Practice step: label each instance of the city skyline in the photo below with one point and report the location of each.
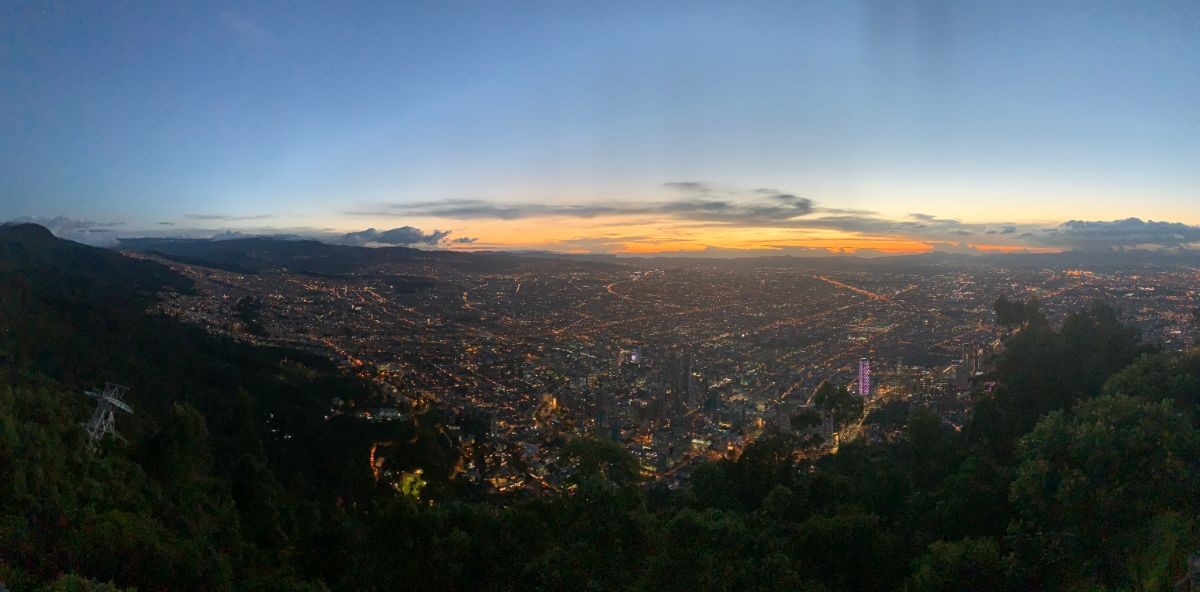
(669, 296)
(712, 129)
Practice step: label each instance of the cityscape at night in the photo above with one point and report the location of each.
(678, 365)
(611, 296)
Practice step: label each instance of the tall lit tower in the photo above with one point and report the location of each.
(864, 377)
(103, 420)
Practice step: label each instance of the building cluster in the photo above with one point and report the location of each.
(677, 365)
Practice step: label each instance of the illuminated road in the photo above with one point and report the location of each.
(855, 289)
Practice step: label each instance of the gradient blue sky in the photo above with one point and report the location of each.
(339, 116)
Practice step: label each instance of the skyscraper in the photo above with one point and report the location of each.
(864, 377)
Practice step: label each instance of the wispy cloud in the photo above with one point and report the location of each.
(684, 218)
(609, 243)
(89, 232)
(695, 201)
(246, 29)
(225, 218)
(702, 205)
(699, 205)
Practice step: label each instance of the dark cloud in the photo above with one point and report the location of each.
(694, 187)
(697, 201)
(720, 210)
(704, 205)
(708, 193)
(474, 209)
(1120, 234)
(874, 225)
(464, 240)
(402, 236)
(696, 204)
(846, 211)
(166, 223)
(788, 198)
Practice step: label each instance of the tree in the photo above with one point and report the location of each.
(848, 551)
(1013, 314)
(840, 403)
(934, 447)
(1042, 370)
(711, 487)
(971, 502)
(974, 564)
(804, 424)
(74, 583)
(1008, 313)
(765, 463)
(1155, 563)
(1091, 481)
(1165, 375)
(805, 420)
(601, 460)
(718, 551)
(178, 452)
(893, 415)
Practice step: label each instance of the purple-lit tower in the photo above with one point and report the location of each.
(864, 377)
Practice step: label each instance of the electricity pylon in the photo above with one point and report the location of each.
(103, 420)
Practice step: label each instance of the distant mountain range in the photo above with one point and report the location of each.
(261, 254)
(277, 254)
(1065, 259)
(35, 258)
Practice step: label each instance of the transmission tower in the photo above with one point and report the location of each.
(103, 420)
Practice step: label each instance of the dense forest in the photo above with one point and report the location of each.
(1079, 470)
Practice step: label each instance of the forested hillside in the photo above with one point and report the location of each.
(1080, 470)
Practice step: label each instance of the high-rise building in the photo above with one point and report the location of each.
(864, 377)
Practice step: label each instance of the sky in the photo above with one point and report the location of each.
(712, 127)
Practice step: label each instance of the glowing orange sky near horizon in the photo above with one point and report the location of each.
(631, 235)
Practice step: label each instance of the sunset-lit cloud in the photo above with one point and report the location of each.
(647, 229)
(693, 216)
(678, 218)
